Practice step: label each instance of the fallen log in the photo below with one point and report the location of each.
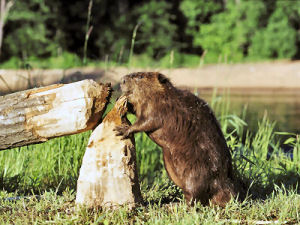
(37, 115)
(108, 175)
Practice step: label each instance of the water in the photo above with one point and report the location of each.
(282, 106)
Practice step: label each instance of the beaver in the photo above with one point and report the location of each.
(195, 152)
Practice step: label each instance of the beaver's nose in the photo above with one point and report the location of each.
(123, 80)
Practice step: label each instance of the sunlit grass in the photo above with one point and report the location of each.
(282, 206)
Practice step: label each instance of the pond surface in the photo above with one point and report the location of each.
(282, 106)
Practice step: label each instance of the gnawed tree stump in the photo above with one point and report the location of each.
(36, 115)
(108, 175)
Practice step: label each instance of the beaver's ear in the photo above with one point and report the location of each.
(162, 78)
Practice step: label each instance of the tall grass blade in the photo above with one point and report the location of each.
(88, 31)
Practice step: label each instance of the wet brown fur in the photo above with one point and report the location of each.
(195, 153)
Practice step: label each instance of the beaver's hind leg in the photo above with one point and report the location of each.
(222, 193)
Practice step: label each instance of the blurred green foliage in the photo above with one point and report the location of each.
(222, 30)
(278, 39)
(156, 33)
(27, 33)
(228, 34)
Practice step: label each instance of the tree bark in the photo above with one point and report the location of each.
(36, 115)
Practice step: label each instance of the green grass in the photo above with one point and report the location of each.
(50, 170)
(281, 206)
(67, 60)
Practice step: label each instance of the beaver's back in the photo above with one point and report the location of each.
(190, 127)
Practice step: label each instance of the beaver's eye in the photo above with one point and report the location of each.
(140, 76)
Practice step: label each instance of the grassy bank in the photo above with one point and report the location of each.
(68, 60)
(50, 170)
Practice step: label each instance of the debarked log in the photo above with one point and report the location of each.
(108, 175)
(39, 114)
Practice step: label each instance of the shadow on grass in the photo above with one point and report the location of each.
(37, 186)
(96, 75)
(256, 190)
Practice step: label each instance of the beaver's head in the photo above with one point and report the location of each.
(143, 85)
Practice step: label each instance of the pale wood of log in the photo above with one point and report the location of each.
(108, 174)
(36, 115)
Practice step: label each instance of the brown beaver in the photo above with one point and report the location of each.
(195, 152)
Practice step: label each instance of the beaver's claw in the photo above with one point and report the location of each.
(122, 130)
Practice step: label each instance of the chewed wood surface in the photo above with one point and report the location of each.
(36, 115)
(108, 175)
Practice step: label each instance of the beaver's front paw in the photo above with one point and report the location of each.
(122, 130)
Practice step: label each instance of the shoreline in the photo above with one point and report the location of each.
(256, 78)
(274, 91)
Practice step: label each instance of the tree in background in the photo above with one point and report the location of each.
(156, 33)
(112, 21)
(244, 29)
(4, 9)
(198, 13)
(47, 28)
(27, 34)
(228, 33)
(278, 39)
(227, 30)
